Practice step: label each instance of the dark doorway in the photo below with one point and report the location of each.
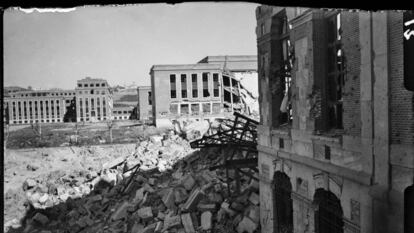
(283, 203)
(409, 210)
(328, 216)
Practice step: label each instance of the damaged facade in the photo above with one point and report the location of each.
(144, 107)
(212, 88)
(330, 157)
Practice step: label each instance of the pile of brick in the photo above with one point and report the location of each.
(173, 191)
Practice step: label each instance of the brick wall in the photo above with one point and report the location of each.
(401, 99)
(351, 91)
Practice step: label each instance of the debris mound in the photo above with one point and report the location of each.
(163, 186)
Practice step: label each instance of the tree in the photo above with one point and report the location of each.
(37, 129)
(110, 125)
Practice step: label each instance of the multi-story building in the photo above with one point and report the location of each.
(37, 106)
(93, 100)
(336, 134)
(205, 90)
(144, 107)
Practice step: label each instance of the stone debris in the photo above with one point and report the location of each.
(171, 192)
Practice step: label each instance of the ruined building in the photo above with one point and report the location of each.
(144, 106)
(336, 132)
(212, 88)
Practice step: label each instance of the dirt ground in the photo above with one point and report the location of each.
(63, 134)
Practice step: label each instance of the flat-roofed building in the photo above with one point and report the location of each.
(93, 100)
(209, 89)
(37, 106)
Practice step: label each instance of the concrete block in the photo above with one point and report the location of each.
(254, 198)
(172, 221)
(193, 200)
(187, 223)
(139, 195)
(180, 195)
(145, 213)
(121, 212)
(188, 182)
(246, 225)
(206, 221)
(169, 199)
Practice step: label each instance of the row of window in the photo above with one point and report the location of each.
(92, 92)
(92, 112)
(194, 85)
(124, 112)
(37, 121)
(45, 94)
(35, 102)
(121, 118)
(87, 118)
(195, 108)
(92, 85)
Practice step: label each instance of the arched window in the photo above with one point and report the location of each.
(283, 203)
(328, 215)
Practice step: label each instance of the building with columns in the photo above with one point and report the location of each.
(93, 100)
(209, 89)
(37, 106)
(338, 157)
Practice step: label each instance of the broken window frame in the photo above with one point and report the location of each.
(335, 72)
(283, 76)
(216, 89)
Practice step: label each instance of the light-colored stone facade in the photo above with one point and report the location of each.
(93, 100)
(37, 106)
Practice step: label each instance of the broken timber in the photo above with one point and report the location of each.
(238, 142)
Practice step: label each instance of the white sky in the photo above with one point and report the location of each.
(120, 43)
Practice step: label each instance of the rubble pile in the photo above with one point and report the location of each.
(164, 186)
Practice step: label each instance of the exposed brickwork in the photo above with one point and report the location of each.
(401, 99)
(351, 91)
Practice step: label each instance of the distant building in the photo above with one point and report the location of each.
(144, 107)
(125, 103)
(41, 106)
(93, 100)
(209, 89)
(122, 112)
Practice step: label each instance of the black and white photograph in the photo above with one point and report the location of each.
(207, 117)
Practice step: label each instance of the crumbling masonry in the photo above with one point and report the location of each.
(336, 135)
